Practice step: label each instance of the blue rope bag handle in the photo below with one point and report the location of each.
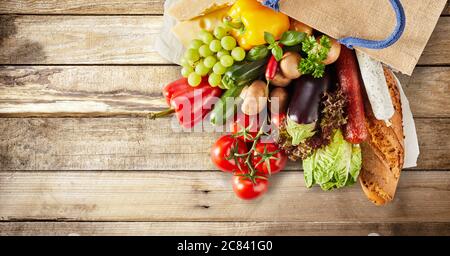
(351, 42)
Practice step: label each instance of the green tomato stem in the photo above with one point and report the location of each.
(229, 22)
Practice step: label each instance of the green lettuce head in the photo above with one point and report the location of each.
(334, 166)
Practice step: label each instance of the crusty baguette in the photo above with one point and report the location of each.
(383, 152)
(189, 9)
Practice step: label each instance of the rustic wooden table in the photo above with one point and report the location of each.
(69, 167)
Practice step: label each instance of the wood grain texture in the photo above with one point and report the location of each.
(93, 91)
(428, 90)
(118, 40)
(143, 144)
(447, 9)
(206, 196)
(82, 6)
(91, 7)
(437, 51)
(79, 39)
(222, 228)
(83, 90)
(183, 201)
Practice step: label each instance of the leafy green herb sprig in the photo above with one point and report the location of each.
(274, 46)
(316, 53)
(289, 38)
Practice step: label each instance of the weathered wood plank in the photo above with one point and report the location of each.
(83, 90)
(143, 144)
(437, 51)
(79, 39)
(32, 91)
(428, 89)
(118, 40)
(447, 9)
(222, 228)
(91, 7)
(207, 196)
(82, 7)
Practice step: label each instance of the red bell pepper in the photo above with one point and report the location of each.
(190, 104)
(176, 87)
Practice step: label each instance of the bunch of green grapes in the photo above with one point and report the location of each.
(210, 55)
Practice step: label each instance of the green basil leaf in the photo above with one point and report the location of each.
(291, 38)
(277, 52)
(258, 53)
(270, 39)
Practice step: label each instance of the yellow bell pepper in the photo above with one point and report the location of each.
(250, 19)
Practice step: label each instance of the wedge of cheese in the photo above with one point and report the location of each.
(189, 9)
(185, 31)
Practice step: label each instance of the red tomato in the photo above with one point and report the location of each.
(245, 189)
(250, 123)
(274, 161)
(277, 119)
(222, 149)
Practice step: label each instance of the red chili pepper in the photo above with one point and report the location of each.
(271, 69)
(190, 104)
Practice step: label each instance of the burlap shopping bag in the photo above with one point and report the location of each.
(367, 19)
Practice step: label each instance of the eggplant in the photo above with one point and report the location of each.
(304, 107)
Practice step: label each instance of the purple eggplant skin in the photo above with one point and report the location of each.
(304, 107)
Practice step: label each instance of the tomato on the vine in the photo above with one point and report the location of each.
(244, 124)
(268, 158)
(245, 189)
(222, 154)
